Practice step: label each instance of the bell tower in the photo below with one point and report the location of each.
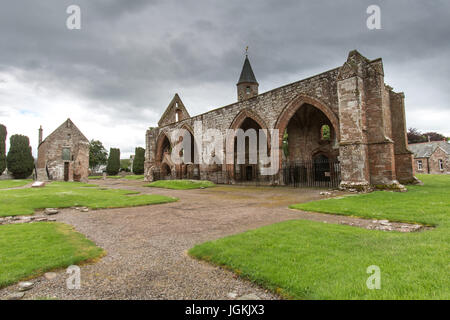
(247, 86)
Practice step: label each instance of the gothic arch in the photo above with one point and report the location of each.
(187, 127)
(246, 113)
(295, 104)
(236, 124)
(159, 145)
(240, 118)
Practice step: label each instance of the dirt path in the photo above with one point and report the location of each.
(28, 185)
(146, 246)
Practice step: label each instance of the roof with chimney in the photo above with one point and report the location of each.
(68, 124)
(426, 149)
(247, 74)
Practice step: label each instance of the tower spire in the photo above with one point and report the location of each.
(247, 86)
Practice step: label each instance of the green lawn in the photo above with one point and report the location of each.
(313, 260)
(68, 194)
(128, 177)
(5, 184)
(101, 177)
(135, 177)
(181, 184)
(27, 250)
(95, 177)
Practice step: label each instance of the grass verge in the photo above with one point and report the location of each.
(135, 177)
(5, 184)
(312, 260)
(68, 194)
(28, 250)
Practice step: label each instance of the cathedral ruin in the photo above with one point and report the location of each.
(344, 124)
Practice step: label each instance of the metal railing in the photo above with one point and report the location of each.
(321, 174)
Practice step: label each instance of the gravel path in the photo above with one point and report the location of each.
(146, 246)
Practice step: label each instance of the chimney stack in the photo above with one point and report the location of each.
(40, 135)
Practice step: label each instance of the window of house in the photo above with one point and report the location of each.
(419, 165)
(66, 154)
(247, 90)
(441, 164)
(176, 116)
(325, 132)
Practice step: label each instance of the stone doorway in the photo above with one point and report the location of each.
(247, 171)
(321, 168)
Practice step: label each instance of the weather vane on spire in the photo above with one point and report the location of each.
(246, 50)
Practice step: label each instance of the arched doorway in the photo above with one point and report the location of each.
(189, 169)
(308, 143)
(305, 134)
(249, 170)
(321, 168)
(165, 171)
(163, 148)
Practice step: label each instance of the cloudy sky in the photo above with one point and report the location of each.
(116, 75)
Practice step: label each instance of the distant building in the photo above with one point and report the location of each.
(431, 157)
(63, 155)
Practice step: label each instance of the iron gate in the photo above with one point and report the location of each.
(311, 174)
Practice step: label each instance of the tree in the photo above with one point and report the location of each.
(325, 132)
(3, 133)
(125, 165)
(139, 158)
(20, 161)
(113, 166)
(415, 136)
(434, 136)
(97, 154)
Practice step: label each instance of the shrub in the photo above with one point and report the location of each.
(20, 161)
(2, 148)
(139, 158)
(113, 166)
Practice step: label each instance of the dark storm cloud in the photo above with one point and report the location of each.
(135, 55)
